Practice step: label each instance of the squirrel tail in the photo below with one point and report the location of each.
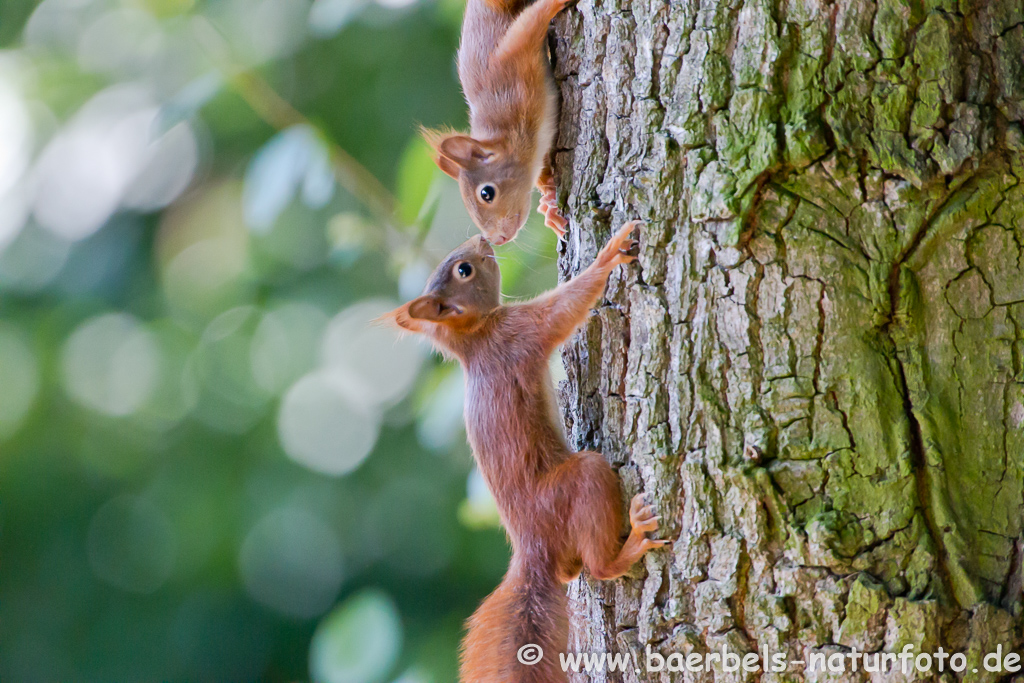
(527, 609)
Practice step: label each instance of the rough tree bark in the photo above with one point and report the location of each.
(817, 368)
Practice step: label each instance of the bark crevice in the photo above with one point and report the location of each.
(823, 390)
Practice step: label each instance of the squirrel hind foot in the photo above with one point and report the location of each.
(641, 515)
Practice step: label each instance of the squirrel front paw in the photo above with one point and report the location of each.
(618, 247)
(548, 207)
(553, 218)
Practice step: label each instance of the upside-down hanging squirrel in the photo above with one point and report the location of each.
(561, 509)
(513, 107)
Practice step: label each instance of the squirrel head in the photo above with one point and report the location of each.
(496, 187)
(460, 292)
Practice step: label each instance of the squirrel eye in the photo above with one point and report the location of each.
(464, 270)
(487, 193)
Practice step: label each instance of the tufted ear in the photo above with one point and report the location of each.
(454, 151)
(431, 308)
(427, 308)
(464, 150)
(448, 166)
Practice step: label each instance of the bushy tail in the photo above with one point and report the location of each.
(528, 608)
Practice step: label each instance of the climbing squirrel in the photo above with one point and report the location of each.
(561, 509)
(506, 78)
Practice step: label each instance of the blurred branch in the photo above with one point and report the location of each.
(280, 114)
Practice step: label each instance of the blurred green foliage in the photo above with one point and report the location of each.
(211, 466)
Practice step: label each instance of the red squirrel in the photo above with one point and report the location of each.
(507, 81)
(561, 509)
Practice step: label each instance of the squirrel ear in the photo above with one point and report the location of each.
(448, 166)
(429, 308)
(400, 317)
(463, 150)
(411, 316)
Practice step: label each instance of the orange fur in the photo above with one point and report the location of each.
(507, 81)
(561, 509)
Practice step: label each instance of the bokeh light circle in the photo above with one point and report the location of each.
(16, 139)
(371, 360)
(19, 377)
(291, 562)
(358, 642)
(285, 343)
(111, 364)
(106, 156)
(323, 428)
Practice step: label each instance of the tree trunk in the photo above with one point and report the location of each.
(817, 367)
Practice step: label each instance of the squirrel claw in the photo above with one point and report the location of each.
(558, 224)
(618, 247)
(548, 206)
(553, 217)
